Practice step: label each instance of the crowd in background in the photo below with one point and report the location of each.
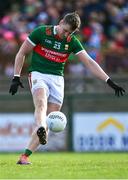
(103, 33)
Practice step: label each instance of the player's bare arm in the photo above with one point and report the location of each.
(98, 71)
(92, 65)
(25, 49)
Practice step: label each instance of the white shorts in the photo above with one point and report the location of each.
(53, 84)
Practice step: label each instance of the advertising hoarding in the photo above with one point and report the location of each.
(16, 130)
(100, 131)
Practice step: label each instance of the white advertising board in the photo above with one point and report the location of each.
(16, 129)
(100, 131)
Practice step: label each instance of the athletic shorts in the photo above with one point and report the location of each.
(53, 84)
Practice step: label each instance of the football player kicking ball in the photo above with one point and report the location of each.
(50, 47)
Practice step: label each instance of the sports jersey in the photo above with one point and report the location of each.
(50, 53)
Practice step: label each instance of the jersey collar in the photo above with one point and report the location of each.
(55, 33)
(68, 39)
(54, 30)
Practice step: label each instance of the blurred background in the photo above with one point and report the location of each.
(97, 120)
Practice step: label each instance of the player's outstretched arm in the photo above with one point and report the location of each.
(19, 61)
(98, 71)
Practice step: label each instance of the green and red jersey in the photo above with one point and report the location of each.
(50, 53)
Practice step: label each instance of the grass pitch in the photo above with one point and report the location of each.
(66, 166)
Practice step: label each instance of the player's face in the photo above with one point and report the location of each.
(64, 30)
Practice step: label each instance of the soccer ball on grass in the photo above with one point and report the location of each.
(56, 121)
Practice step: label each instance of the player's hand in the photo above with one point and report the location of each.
(119, 91)
(15, 84)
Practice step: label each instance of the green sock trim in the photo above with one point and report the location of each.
(28, 152)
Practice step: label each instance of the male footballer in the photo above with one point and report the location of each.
(50, 47)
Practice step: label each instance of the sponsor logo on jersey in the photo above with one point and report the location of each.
(51, 55)
(48, 41)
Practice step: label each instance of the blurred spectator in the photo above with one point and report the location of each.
(9, 70)
(104, 29)
(4, 6)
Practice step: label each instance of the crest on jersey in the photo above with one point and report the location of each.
(66, 46)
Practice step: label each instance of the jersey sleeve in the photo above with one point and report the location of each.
(76, 46)
(35, 36)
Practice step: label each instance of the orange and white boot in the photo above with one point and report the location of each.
(23, 160)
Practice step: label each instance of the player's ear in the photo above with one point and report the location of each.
(61, 21)
(77, 30)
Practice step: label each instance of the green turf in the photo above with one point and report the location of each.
(66, 166)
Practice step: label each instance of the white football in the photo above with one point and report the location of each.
(56, 121)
